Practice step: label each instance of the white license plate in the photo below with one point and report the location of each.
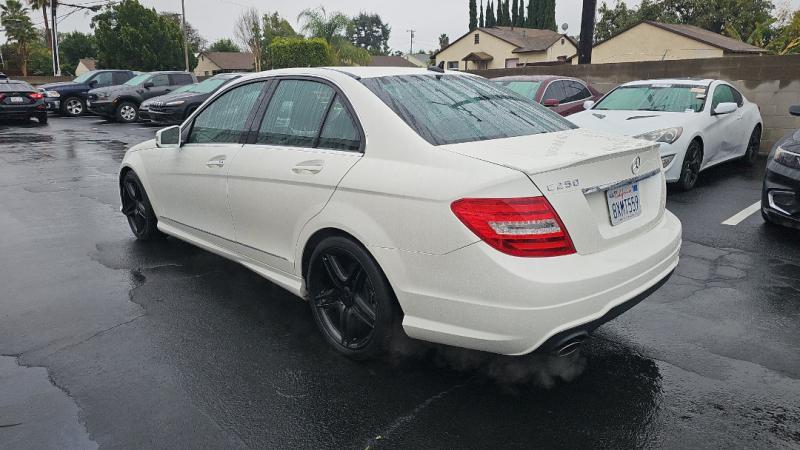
(17, 99)
(623, 203)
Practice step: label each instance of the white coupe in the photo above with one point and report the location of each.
(697, 123)
(411, 200)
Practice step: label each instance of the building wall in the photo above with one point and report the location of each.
(771, 82)
(645, 42)
(500, 51)
(81, 69)
(205, 67)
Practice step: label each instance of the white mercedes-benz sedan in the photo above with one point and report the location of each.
(409, 200)
(696, 123)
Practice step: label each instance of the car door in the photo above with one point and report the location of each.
(192, 179)
(300, 148)
(554, 91)
(161, 86)
(102, 79)
(725, 131)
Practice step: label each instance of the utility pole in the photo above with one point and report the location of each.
(185, 40)
(54, 30)
(587, 32)
(411, 48)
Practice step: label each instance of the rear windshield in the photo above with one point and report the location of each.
(15, 87)
(448, 109)
(526, 89)
(655, 97)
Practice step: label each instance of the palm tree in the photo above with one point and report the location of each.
(331, 27)
(19, 28)
(43, 5)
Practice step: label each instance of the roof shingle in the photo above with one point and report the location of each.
(708, 37)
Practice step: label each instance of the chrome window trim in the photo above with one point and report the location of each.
(605, 187)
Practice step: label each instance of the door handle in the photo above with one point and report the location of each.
(216, 162)
(312, 167)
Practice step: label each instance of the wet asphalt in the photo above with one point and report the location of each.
(110, 342)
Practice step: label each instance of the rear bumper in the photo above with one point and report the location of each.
(22, 112)
(479, 298)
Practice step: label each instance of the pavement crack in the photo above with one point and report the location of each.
(407, 418)
(99, 333)
(9, 425)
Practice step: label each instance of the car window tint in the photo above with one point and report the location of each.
(160, 80)
(104, 79)
(339, 131)
(575, 91)
(527, 89)
(554, 91)
(224, 120)
(295, 112)
(179, 79)
(722, 94)
(121, 77)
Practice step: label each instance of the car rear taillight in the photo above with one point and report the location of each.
(36, 95)
(2, 97)
(527, 226)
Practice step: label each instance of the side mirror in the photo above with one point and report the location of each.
(550, 102)
(169, 137)
(725, 108)
(148, 84)
(794, 110)
(588, 104)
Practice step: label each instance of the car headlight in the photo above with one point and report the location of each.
(787, 158)
(666, 160)
(666, 135)
(52, 94)
(175, 103)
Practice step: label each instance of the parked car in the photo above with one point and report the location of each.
(176, 106)
(697, 123)
(69, 98)
(468, 217)
(121, 103)
(780, 196)
(19, 100)
(563, 95)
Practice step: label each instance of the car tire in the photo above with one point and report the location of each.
(753, 145)
(127, 112)
(137, 209)
(73, 107)
(690, 168)
(42, 119)
(351, 300)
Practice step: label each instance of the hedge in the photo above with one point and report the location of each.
(299, 52)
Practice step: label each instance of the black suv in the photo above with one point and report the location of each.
(176, 106)
(122, 102)
(69, 98)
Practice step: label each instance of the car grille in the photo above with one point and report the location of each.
(155, 106)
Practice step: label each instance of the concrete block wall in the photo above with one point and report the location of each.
(772, 82)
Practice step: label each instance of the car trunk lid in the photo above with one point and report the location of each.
(575, 170)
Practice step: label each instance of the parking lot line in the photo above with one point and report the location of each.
(737, 218)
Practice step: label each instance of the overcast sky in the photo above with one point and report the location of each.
(214, 18)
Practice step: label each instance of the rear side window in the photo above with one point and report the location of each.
(121, 77)
(448, 109)
(339, 131)
(179, 79)
(224, 120)
(295, 113)
(575, 91)
(555, 91)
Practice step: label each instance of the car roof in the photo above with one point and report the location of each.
(353, 72)
(689, 81)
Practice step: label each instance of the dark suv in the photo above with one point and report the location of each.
(69, 98)
(122, 102)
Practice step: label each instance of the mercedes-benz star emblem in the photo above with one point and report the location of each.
(636, 165)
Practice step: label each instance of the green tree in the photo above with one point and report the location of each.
(444, 41)
(481, 22)
(134, 37)
(72, 47)
(521, 13)
(248, 32)
(536, 12)
(368, 31)
(19, 30)
(276, 26)
(549, 16)
(223, 45)
(331, 27)
(300, 52)
(473, 15)
(515, 13)
(197, 43)
(490, 22)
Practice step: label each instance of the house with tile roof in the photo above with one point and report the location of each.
(656, 41)
(505, 47)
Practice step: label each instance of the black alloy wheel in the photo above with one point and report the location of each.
(137, 209)
(350, 299)
(690, 171)
(753, 145)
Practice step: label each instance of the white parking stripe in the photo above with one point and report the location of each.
(737, 218)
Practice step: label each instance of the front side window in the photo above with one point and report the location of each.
(654, 97)
(104, 79)
(448, 109)
(339, 131)
(295, 113)
(225, 119)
